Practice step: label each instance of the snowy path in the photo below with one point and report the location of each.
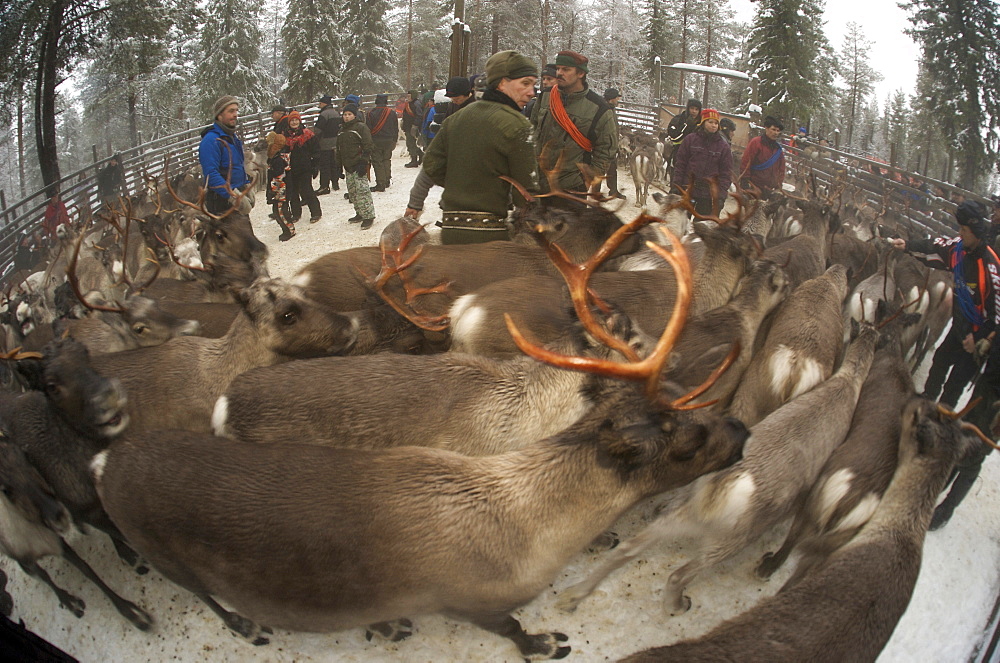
(954, 597)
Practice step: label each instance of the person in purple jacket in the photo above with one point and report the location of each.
(704, 160)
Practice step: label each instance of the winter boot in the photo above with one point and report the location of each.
(367, 223)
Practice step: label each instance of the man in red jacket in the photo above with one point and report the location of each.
(763, 162)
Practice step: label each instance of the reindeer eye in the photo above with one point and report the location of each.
(219, 235)
(289, 318)
(140, 329)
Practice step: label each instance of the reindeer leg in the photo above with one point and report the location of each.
(66, 600)
(130, 611)
(709, 555)
(6, 600)
(236, 623)
(571, 597)
(394, 631)
(536, 647)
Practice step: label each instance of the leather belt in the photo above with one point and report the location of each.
(473, 221)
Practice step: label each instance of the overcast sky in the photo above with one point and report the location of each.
(882, 21)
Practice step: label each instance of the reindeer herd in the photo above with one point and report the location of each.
(412, 428)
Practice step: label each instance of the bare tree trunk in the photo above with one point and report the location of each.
(409, 42)
(708, 63)
(45, 95)
(22, 180)
(133, 126)
(546, 9)
(495, 28)
(684, 50)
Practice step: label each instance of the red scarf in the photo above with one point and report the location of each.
(562, 117)
(381, 122)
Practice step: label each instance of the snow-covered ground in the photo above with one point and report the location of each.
(954, 597)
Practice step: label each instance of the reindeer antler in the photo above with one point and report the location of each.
(393, 264)
(646, 370)
(75, 283)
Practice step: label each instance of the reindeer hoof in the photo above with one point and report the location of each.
(604, 541)
(394, 631)
(248, 629)
(545, 646)
(681, 606)
(570, 598)
(767, 566)
(141, 619)
(73, 604)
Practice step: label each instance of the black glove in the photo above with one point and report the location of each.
(362, 168)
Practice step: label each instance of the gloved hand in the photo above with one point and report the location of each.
(362, 168)
(243, 203)
(983, 346)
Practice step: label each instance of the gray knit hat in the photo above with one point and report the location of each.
(508, 64)
(221, 104)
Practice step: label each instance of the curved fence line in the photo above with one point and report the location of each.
(78, 190)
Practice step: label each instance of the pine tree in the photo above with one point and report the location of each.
(859, 77)
(961, 54)
(312, 40)
(792, 58)
(369, 52)
(230, 57)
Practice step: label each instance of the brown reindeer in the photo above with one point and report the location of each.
(846, 608)
(800, 350)
(282, 534)
(732, 508)
(176, 384)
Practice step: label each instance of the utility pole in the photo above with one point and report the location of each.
(459, 42)
(409, 43)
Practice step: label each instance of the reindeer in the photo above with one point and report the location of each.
(855, 477)
(177, 383)
(333, 280)
(644, 165)
(472, 405)
(801, 348)
(730, 509)
(863, 588)
(54, 430)
(334, 515)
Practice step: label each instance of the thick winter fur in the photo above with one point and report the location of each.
(55, 433)
(334, 280)
(175, 385)
(473, 405)
(709, 337)
(317, 539)
(846, 608)
(802, 346)
(644, 165)
(730, 509)
(646, 296)
(851, 484)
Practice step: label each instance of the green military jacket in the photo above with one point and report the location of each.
(354, 143)
(473, 148)
(583, 108)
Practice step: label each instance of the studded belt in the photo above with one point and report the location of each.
(473, 221)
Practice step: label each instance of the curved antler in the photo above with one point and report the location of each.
(75, 283)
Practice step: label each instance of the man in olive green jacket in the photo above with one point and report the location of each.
(478, 144)
(578, 124)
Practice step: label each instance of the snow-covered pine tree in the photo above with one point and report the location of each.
(230, 57)
(858, 76)
(792, 58)
(312, 38)
(961, 53)
(368, 50)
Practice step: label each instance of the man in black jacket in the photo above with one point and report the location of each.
(682, 125)
(413, 112)
(976, 302)
(327, 125)
(384, 125)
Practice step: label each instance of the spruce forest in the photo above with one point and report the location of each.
(114, 73)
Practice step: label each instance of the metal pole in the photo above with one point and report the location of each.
(659, 76)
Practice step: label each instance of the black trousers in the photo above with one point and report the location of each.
(327, 162)
(950, 355)
(216, 204)
(299, 191)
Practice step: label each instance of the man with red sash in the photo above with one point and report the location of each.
(763, 162)
(384, 125)
(975, 307)
(572, 120)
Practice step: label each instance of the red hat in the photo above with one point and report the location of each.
(710, 114)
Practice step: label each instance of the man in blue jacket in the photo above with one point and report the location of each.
(221, 157)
